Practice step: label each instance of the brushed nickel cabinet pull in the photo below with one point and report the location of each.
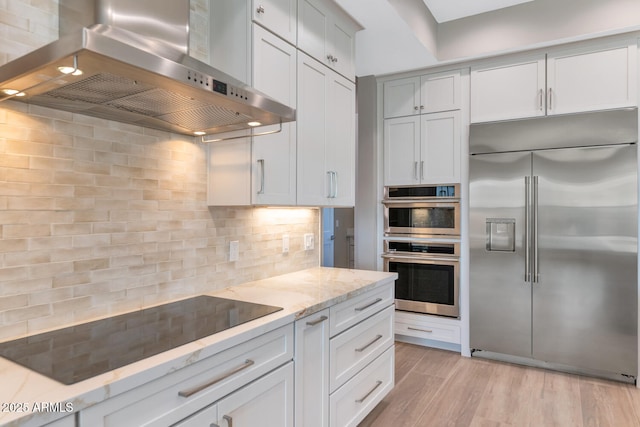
(261, 164)
(363, 398)
(368, 305)
(260, 9)
(541, 99)
(361, 349)
(228, 419)
(193, 390)
(419, 330)
(317, 321)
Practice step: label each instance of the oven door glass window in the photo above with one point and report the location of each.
(432, 283)
(423, 217)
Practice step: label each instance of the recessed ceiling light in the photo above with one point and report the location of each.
(253, 124)
(199, 133)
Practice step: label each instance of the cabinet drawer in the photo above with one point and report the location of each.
(431, 330)
(354, 310)
(164, 401)
(354, 400)
(355, 348)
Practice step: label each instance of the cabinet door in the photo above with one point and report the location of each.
(312, 370)
(274, 156)
(313, 27)
(440, 148)
(440, 92)
(342, 42)
(591, 80)
(341, 140)
(274, 166)
(508, 91)
(229, 172)
(401, 150)
(401, 97)
(279, 16)
(313, 180)
(265, 402)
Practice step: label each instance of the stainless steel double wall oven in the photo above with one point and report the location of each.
(422, 232)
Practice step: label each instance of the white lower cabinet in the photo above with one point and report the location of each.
(182, 393)
(351, 403)
(312, 370)
(267, 401)
(427, 327)
(344, 360)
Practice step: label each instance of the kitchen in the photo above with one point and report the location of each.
(105, 217)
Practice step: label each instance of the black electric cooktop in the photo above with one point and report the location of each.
(79, 352)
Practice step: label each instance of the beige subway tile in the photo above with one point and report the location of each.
(13, 245)
(51, 270)
(75, 203)
(13, 302)
(75, 129)
(91, 264)
(91, 216)
(70, 280)
(91, 240)
(51, 190)
(24, 314)
(16, 231)
(28, 175)
(30, 257)
(13, 331)
(50, 295)
(71, 229)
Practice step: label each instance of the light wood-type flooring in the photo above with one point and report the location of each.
(441, 388)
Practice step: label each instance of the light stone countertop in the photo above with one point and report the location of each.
(300, 294)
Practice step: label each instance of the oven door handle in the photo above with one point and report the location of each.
(431, 201)
(419, 258)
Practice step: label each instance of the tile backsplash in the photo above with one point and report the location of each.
(99, 217)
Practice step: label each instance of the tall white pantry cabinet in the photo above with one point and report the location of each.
(422, 129)
(311, 162)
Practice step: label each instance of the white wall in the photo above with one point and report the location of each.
(535, 24)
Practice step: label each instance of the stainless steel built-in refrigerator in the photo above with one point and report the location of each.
(553, 242)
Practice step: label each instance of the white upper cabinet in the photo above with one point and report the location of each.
(274, 156)
(422, 149)
(327, 33)
(422, 94)
(563, 81)
(279, 16)
(591, 80)
(326, 136)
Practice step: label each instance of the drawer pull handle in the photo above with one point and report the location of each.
(228, 419)
(363, 398)
(319, 320)
(419, 330)
(191, 391)
(368, 305)
(361, 349)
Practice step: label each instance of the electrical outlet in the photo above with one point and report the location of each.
(309, 241)
(285, 243)
(234, 250)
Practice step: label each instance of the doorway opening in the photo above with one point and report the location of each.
(338, 244)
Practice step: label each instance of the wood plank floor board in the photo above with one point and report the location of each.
(441, 388)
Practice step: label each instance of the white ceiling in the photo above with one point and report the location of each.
(405, 35)
(449, 10)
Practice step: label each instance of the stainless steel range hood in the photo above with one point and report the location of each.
(128, 61)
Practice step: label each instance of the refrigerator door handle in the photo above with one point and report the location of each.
(534, 232)
(527, 230)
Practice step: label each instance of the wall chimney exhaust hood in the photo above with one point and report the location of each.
(128, 61)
